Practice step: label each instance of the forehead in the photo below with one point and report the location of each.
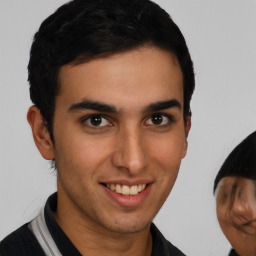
(140, 76)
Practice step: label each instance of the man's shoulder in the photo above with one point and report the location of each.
(173, 250)
(20, 242)
(161, 246)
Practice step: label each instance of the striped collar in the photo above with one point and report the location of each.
(52, 239)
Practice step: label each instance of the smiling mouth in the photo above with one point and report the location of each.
(126, 190)
(248, 228)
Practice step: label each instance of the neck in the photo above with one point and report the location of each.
(93, 239)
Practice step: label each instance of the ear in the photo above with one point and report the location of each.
(40, 132)
(187, 127)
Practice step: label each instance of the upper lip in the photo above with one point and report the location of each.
(239, 220)
(242, 220)
(127, 182)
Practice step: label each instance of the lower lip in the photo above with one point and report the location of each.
(128, 201)
(248, 230)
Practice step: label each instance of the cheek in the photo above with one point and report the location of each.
(167, 156)
(220, 210)
(228, 230)
(223, 219)
(80, 153)
(169, 152)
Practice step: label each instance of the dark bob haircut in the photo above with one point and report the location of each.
(241, 162)
(82, 30)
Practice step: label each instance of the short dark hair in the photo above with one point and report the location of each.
(82, 30)
(241, 162)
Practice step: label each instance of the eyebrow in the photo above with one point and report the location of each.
(93, 105)
(102, 107)
(161, 105)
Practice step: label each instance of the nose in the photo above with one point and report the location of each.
(243, 208)
(131, 152)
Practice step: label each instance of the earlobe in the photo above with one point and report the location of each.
(40, 133)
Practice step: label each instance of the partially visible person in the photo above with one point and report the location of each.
(235, 190)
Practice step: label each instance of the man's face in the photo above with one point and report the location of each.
(119, 138)
(236, 211)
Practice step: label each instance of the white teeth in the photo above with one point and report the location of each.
(126, 190)
(113, 187)
(118, 189)
(134, 190)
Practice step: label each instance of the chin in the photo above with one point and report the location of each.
(128, 226)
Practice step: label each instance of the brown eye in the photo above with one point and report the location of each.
(97, 121)
(158, 119)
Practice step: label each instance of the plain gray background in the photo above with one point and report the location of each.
(221, 36)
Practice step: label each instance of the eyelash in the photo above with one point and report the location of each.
(148, 119)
